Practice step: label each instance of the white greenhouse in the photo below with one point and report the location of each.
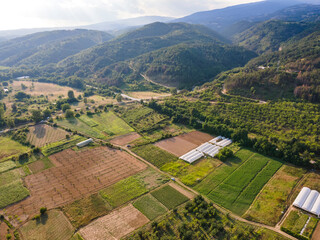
(84, 143)
(308, 200)
(192, 156)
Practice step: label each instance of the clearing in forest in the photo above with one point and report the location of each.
(76, 174)
(115, 225)
(42, 134)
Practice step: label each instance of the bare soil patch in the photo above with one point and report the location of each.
(37, 166)
(176, 146)
(125, 139)
(196, 137)
(77, 174)
(316, 233)
(184, 143)
(42, 134)
(115, 225)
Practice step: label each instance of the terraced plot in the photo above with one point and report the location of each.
(235, 187)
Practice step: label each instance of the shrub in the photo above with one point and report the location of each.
(43, 210)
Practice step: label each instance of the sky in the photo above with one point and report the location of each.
(16, 14)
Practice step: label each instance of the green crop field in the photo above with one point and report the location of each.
(234, 186)
(150, 207)
(296, 220)
(154, 155)
(61, 145)
(310, 227)
(100, 125)
(7, 165)
(54, 225)
(169, 197)
(191, 174)
(8, 148)
(11, 188)
(82, 211)
(123, 191)
(271, 202)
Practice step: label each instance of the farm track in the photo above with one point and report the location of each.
(221, 209)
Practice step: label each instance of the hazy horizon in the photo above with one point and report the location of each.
(71, 13)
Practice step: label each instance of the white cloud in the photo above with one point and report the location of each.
(57, 13)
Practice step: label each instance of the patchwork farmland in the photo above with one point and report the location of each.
(42, 134)
(236, 184)
(76, 174)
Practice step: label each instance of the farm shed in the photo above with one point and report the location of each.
(192, 156)
(84, 143)
(308, 200)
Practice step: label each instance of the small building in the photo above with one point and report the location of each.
(85, 143)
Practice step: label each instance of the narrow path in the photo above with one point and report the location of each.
(149, 80)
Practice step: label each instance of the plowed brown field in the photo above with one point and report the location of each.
(76, 174)
(43, 134)
(115, 225)
(184, 143)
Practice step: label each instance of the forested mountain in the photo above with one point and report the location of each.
(48, 47)
(176, 54)
(268, 36)
(290, 73)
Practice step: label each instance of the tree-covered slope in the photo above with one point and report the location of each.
(290, 73)
(268, 36)
(48, 47)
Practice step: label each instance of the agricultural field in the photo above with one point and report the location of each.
(123, 191)
(100, 125)
(40, 165)
(142, 119)
(53, 225)
(11, 188)
(150, 207)
(169, 197)
(236, 186)
(200, 220)
(76, 174)
(8, 148)
(147, 95)
(295, 222)
(115, 225)
(154, 155)
(273, 199)
(42, 134)
(61, 145)
(82, 211)
(125, 139)
(184, 143)
(191, 174)
(7, 165)
(53, 91)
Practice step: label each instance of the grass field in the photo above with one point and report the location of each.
(295, 222)
(100, 125)
(11, 188)
(150, 207)
(8, 148)
(82, 211)
(191, 174)
(147, 95)
(169, 197)
(53, 226)
(271, 202)
(235, 186)
(154, 155)
(61, 145)
(77, 236)
(7, 165)
(123, 191)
